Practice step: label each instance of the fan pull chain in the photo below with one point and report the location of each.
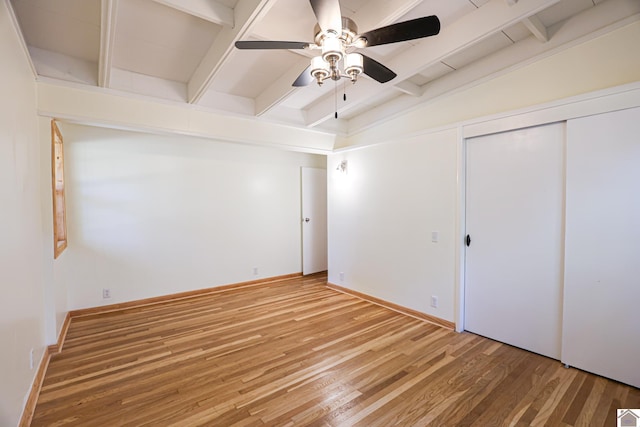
(344, 87)
(335, 92)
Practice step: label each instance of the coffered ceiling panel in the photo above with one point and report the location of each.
(563, 10)
(299, 19)
(159, 41)
(247, 73)
(69, 27)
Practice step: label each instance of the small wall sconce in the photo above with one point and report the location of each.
(342, 166)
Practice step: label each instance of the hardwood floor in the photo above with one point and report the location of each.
(297, 353)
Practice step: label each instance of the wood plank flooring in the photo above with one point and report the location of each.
(296, 353)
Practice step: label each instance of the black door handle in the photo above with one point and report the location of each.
(468, 240)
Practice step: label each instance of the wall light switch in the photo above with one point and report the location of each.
(435, 236)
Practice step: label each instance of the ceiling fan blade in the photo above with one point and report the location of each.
(304, 78)
(328, 14)
(266, 44)
(376, 70)
(402, 31)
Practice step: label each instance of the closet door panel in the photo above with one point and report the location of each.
(514, 218)
(601, 327)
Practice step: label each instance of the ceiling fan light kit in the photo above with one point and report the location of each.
(335, 47)
(328, 65)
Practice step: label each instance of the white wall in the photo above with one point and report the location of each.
(21, 274)
(153, 215)
(381, 216)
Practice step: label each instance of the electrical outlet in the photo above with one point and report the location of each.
(255, 271)
(434, 301)
(31, 361)
(106, 293)
(342, 276)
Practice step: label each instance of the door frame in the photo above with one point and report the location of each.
(461, 229)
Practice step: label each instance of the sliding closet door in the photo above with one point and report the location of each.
(602, 271)
(514, 218)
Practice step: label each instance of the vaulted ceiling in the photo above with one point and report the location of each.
(183, 50)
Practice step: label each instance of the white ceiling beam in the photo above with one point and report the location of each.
(246, 14)
(492, 17)
(80, 104)
(537, 28)
(534, 25)
(409, 88)
(209, 10)
(588, 25)
(109, 16)
(374, 14)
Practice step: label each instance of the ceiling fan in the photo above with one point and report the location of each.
(337, 37)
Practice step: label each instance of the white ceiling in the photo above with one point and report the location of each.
(182, 50)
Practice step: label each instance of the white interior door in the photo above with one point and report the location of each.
(602, 268)
(514, 218)
(314, 220)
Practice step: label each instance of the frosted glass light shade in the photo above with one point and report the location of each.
(319, 68)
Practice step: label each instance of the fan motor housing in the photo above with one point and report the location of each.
(349, 32)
